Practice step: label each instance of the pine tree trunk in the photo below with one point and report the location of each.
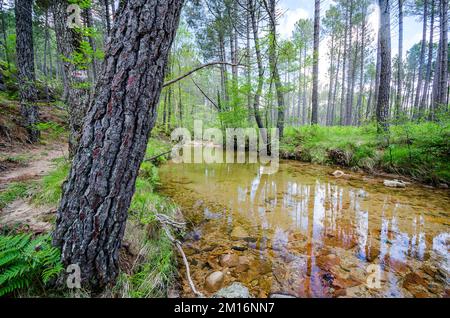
(93, 211)
(25, 67)
(398, 98)
(426, 85)
(274, 68)
(68, 42)
(385, 68)
(315, 92)
(421, 59)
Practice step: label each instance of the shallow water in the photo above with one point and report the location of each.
(305, 233)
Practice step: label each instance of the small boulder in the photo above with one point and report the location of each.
(236, 290)
(244, 264)
(229, 260)
(214, 281)
(338, 173)
(394, 183)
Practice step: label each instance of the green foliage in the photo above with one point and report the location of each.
(53, 130)
(25, 262)
(420, 150)
(13, 192)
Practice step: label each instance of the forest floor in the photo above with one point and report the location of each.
(19, 176)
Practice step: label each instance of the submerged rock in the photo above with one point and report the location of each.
(214, 281)
(239, 233)
(229, 260)
(394, 183)
(236, 290)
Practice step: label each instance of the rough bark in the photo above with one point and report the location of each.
(385, 68)
(68, 42)
(25, 67)
(93, 211)
(315, 89)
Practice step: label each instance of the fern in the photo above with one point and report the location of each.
(25, 261)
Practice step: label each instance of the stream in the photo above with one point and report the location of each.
(305, 233)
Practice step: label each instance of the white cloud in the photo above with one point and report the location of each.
(288, 20)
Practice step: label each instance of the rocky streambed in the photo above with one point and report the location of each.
(303, 232)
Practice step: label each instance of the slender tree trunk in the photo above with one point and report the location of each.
(5, 43)
(330, 84)
(68, 42)
(426, 85)
(349, 99)
(385, 70)
(93, 211)
(421, 59)
(440, 85)
(342, 114)
(46, 49)
(315, 92)
(256, 103)
(25, 67)
(398, 98)
(274, 67)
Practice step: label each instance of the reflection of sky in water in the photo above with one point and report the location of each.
(290, 202)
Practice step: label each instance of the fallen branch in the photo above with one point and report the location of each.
(165, 221)
(157, 156)
(197, 69)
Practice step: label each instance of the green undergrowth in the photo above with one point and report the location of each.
(154, 269)
(418, 150)
(12, 192)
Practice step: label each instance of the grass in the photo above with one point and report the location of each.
(49, 188)
(418, 150)
(155, 269)
(13, 192)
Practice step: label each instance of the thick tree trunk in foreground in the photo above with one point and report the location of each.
(25, 67)
(68, 42)
(385, 68)
(315, 93)
(93, 210)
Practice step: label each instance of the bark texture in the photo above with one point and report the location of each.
(385, 65)
(25, 67)
(93, 210)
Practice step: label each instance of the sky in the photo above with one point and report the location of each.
(293, 10)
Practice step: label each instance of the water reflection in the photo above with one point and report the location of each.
(311, 235)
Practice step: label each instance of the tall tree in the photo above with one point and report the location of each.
(384, 35)
(25, 67)
(68, 42)
(93, 211)
(315, 93)
(426, 84)
(440, 87)
(422, 58)
(398, 97)
(273, 62)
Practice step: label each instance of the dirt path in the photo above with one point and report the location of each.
(40, 161)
